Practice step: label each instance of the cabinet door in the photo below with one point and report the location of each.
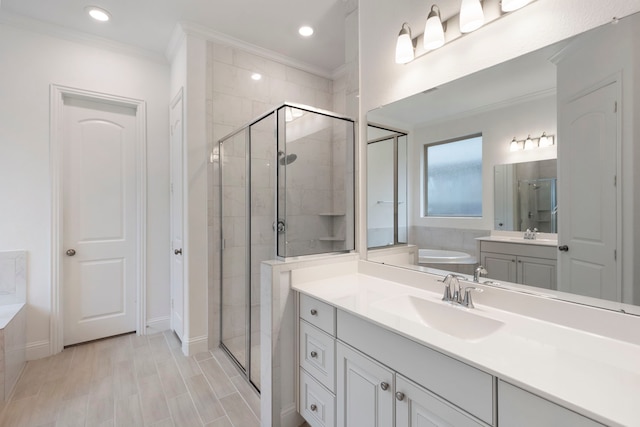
(519, 408)
(499, 266)
(538, 272)
(417, 407)
(364, 390)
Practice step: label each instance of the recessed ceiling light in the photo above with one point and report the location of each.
(305, 31)
(98, 14)
(256, 76)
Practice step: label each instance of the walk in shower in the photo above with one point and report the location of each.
(287, 190)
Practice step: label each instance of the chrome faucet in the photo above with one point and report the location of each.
(455, 293)
(530, 235)
(478, 272)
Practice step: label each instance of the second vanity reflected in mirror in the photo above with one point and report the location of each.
(578, 200)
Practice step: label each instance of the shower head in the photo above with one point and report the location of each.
(286, 159)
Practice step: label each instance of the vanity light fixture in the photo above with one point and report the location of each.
(433, 30)
(471, 16)
(531, 143)
(98, 13)
(511, 5)
(404, 45)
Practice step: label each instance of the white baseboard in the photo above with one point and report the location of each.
(191, 346)
(158, 324)
(37, 350)
(290, 417)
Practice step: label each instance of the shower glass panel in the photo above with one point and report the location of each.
(235, 255)
(315, 182)
(537, 204)
(287, 189)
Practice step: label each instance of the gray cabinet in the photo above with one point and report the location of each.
(365, 390)
(519, 408)
(527, 264)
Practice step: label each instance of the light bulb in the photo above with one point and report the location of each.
(471, 16)
(433, 30)
(545, 141)
(528, 143)
(404, 45)
(98, 14)
(514, 145)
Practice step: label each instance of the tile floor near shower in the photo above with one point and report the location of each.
(132, 381)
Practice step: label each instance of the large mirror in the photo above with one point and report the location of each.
(565, 111)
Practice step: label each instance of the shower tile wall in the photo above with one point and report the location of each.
(233, 99)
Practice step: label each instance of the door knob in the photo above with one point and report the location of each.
(71, 252)
(178, 251)
(314, 354)
(313, 407)
(563, 248)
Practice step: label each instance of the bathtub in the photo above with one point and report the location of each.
(459, 262)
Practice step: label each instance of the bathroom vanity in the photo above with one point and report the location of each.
(380, 348)
(517, 260)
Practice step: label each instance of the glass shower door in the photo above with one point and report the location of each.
(235, 253)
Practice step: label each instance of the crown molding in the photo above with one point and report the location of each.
(215, 36)
(60, 32)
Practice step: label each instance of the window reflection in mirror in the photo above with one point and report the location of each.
(453, 177)
(386, 186)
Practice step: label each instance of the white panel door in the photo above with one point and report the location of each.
(364, 390)
(587, 220)
(177, 218)
(99, 220)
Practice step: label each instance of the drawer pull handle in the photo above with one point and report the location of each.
(314, 354)
(400, 395)
(314, 312)
(384, 386)
(313, 407)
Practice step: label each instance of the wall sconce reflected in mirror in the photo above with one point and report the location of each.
(433, 30)
(404, 45)
(531, 143)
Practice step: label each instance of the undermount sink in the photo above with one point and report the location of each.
(455, 321)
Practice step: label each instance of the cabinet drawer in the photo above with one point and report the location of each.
(317, 404)
(520, 408)
(318, 354)
(318, 313)
(521, 249)
(462, 385)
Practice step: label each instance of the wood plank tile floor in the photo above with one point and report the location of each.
(132, 381)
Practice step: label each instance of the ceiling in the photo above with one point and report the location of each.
(149, 24)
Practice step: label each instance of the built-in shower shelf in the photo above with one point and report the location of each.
(331, 214)
(331, 239)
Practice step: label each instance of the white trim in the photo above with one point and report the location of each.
(198, 30)
(159, 324)
(38, 350)
(57, 94)
(191, 346)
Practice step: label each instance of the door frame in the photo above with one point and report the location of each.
(57, 95)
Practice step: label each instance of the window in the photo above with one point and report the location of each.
(453, 178)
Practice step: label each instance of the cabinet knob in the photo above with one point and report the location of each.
(384, 386)
(314, 354)
(314, 312)
(71, 252)
(313, 407)
(400, 395)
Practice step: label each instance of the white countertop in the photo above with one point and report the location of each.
(540, 241)
(591, 374)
